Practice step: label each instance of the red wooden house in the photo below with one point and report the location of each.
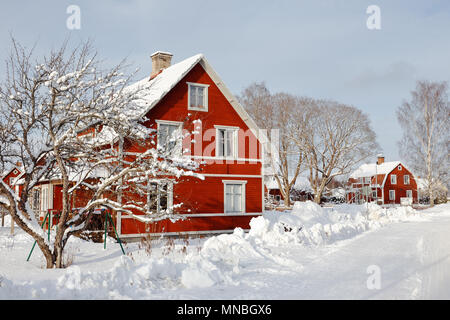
(10, 176)
(383, 182)
(184, 95)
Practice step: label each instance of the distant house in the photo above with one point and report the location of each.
(383, 182)
(301, 191)
(10, 176)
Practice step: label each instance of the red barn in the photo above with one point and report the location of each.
(191, 95)
(383, 182)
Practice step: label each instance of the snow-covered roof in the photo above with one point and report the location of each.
(301, 184)
(152, 91)
(372, 169)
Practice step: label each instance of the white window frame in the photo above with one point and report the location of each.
(158, 194)
(404, 179)
(399, 168)
(393, 179)
(178, 149)
(374, 194)
(409, 194)
(205, 96)
(46, 198)
(243, 195)
(392, 195)
(234, 153)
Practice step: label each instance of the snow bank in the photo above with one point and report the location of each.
(310, 224)
(222, 259)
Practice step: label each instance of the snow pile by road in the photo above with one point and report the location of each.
(222, 260)
(309, 223)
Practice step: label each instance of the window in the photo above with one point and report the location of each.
(399, 168)
(409, 193)
(226, 142)
(374, 194)
(169, 137)
(367, 180)
(392, 195)
(11, 181)
(198, 96)
(160, 197)
(234, 196)
(393, 179)
(406, 179)
(36, 199)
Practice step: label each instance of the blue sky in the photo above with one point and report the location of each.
(320, 48)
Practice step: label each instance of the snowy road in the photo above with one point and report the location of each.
(405, 257)
(412, 260)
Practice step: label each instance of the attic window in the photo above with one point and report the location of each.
(399, 167)
(15, 171)
(198, 96)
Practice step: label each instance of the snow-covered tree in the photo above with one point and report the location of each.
(277, 113)
(334, 137)
(66, 117)
(426, 134)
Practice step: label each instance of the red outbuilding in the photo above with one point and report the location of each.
(383, 182)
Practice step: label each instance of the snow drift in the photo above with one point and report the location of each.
(222, 259)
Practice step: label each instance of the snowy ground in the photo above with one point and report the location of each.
(343, 252)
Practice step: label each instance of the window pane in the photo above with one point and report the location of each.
(168, 137)
(228, 203)
(200, 96)
(221, 143)
(229, 140)
(162, 197)
(193, 96)
(237, 203)
(197, 96)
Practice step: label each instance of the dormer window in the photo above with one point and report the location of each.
(198, 96)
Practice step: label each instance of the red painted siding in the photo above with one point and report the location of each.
(400, 187)
(207, 196)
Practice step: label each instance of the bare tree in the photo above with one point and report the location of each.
(426, 133)
(46, 110)
(276, 113)
(334, 137)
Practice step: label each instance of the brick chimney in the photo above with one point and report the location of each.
(160, 61)
(380, 159)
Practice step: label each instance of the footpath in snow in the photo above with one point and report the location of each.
(341, 252)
